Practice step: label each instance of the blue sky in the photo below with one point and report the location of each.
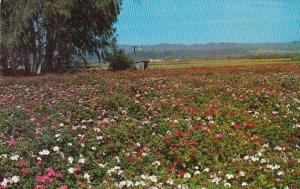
(143, 22)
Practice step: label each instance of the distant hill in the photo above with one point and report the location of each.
(210, 50)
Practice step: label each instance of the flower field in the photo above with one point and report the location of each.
(213, 127)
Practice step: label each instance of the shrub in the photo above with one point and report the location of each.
(119, 61)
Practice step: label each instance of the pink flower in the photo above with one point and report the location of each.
(58, 175)
(2, 186)
(64, 187)
(40, 187)
(77, 169)
(24, 171)
(44, 179)
(50, 172)
(12, 142)
(38, 163)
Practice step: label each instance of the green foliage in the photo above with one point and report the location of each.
(119, 61)
(47, 36)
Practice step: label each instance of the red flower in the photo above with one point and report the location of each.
(197, 126)
(193, 143)
(170, 168)
(188, 134)
(249, 124)
(174, 149)
(181, 173)
(131, 158)
(180, 160)
(236, 126)
(177, 133)
(193, 111)
(193, 154)
(186, 143)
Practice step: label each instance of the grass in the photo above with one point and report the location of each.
(209, 127)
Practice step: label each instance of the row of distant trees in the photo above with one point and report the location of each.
(187, 53)
(46, 36)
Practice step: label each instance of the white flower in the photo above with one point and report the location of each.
(14, 157)
(70, 144)
(206, 170)
(170, 181)
(140, 183)
(280, 173)
(94, 148)
(244, 184)
(242, 173)
(197, 173)
(57, 135)
(70, 159)
(152, 178)
(44, 152)
(102, 165)
(246, 157)
(3, 156)
(81, 160)
(5, 182)
(129, 183)
(227, 185)
(229, 176)
(182, 186)
(216, 180)
(273, 167)
(156, 163)
(187, 175)
(71, 170)
(263, 161)
(15, 179)
(254, 159)
(55, 148)
(122, 184)
(87, 177)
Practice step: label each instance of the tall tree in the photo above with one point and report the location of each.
(48, 36)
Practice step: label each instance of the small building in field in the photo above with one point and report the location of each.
(142, 65)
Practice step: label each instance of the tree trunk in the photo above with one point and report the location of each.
(49, 52)
(27, 64)
(4, 60)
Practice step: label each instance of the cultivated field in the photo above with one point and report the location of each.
(209, 127)
(163, 64)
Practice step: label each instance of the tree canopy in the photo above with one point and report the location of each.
(51, 35)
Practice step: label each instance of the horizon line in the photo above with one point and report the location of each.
(190, 44)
